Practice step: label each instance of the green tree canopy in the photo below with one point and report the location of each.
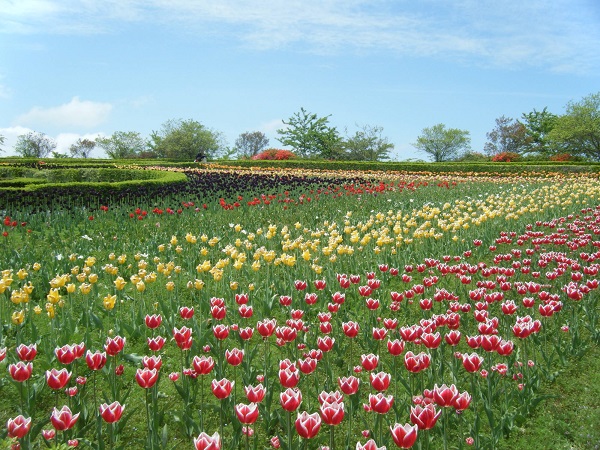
(508, 135)
(34, 145)
(578, 130)
(441, 143)
(368, 144)
(1, 142)
(82, 148)
(249, 143)
(538, 125)
(311, 136)
(123, 144)
(184, 139)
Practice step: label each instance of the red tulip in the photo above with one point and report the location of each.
(146, 378)
(246, 333)
(453, 337)
(338, 298)
(185, 312)
(156, 344)
(380, 403)
(221, 331)
(431, 340)
(66, 354)
(308, 425)
(57, 379)
(325, 343)
(222, 388)
(206, 442)
(462, 401)
(472, 362)
(20, 371)
(114, 345)
(372, 303)
(349, 385)
(395, 347)
(289, 377)
(49, 434)
(111, 413)
(424, 417)
(404, 436)
(445, 395)
(380, 381)
(241, 299)
(2, 354)
(370, 361)
(95, 361)
(332, 413)
(246, 414)
(330, 397)
(153, 321)
(307, 365)
(310, 298)
(255, 394)
(245, 311)
(416, 363)
(183, 337)
(379, 334)
(285, 300)
(320, 284)
(234, 357)
(26, 352)
(63, 419)
(18, 427)
(203, 365)
(290, 399)
(152, 362)
(300, 285)
(266, 327)
(350, 329)
(218, 312)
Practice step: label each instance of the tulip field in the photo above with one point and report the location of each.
(295, 310)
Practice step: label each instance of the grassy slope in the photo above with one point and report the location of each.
(571, 418)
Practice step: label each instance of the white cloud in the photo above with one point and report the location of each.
(10, 138)
(75, 114)
(63, 141)
(562, 35)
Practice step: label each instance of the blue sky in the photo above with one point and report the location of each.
(83, 68)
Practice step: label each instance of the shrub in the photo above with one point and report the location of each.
(562, 157)
(274, 154)
(506, 157)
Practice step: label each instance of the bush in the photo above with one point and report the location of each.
(506, 157)
(274, 154)
(562, 157)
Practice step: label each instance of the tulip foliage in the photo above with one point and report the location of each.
(342, 311)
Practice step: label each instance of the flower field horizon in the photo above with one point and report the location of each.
(294, 309)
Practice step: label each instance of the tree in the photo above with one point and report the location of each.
(1, 143)
(509, 135)
(82, 148)
(310, 135)
(538, 125)
(249, 143)
(34, 145)
(184, 139)
(123, 144)
(441, 143)
(578, 130)
(368, 144)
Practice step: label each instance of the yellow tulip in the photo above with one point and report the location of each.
(18, 317)
(53, 296)
(37, 266)
(71, 288)
(120, 283)
(93, 278)
(85, 288)
(22, 274)
(170, 286)
(109, 301)
(140, 286)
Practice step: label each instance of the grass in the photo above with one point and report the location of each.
(570, 417)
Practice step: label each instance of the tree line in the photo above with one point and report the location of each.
(541, 134)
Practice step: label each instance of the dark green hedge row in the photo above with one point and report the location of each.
(16, 193)
(466, 167)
